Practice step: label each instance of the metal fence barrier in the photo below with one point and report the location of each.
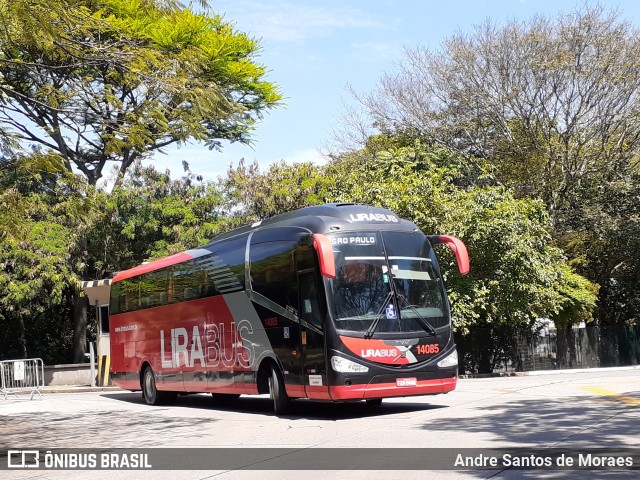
(20, 376)
(487, 350)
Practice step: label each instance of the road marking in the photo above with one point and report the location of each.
(618, 397)
(507, 390)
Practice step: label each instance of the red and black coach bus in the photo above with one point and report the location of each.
(336, 302)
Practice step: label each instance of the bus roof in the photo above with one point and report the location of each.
(328, 218)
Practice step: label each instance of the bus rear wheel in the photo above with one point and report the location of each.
(150, 392)
(277, 392)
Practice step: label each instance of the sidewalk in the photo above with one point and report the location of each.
(547, 372)
(77, 389)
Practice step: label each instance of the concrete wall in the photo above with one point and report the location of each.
(71, 374)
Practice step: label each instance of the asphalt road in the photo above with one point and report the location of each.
(576, 411)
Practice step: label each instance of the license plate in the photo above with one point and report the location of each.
(406, 382)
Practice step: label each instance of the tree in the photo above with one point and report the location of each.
(602, 236)
(45, 216)
(116, 80)
(151, 216)
(549, 102)
(57, 230)
(254, 195)
(517, 273)
(551, 105)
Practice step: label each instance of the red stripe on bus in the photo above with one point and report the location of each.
(387, 390)
(152, 266)
(245, 388)
(318, 392)
(295, 391)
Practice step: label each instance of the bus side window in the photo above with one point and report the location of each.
(170, 288)
(114, 299)
(227, 265)
(273, 271)
(130, 295)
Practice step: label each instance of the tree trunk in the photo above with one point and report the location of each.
(22, 340)
(486, 350)
(562, 347)
(80, 307)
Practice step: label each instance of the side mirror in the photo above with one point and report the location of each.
(459, 249)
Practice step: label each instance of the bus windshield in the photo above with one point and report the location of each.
(386, 282)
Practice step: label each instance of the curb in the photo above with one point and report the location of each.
(471, 376)
(534, 373)
(77, 389)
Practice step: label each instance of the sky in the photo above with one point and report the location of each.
(313, 50)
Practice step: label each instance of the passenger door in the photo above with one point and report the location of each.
(312, 311)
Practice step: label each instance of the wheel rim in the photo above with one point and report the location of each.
(272, 390)
(150, 386)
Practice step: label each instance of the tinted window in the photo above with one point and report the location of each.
(226, 268)
(222, 271)
(273, 273)
(114, 298)
(187, 281)
(129, 295)
(151, 287)
(276, 256)
(104, 319)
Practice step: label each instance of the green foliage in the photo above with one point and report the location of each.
(517, 274)
(254, 195)
(551, 105)
(57, 231)
(116, 80)
(602, 237)
(152, 216)
(44, 219)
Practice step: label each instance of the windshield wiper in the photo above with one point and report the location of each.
(374, 324)
(419, 318)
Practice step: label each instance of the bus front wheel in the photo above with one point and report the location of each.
(277, 392)
(150, 392)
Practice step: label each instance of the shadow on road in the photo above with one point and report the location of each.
(300, 409)
(531, 422)
(577, 424)
(88, 429)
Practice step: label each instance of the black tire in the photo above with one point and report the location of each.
(150, 392)
(277, 392)
(374, 402)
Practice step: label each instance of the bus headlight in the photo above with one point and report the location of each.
(450, 360)
(342, 365)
